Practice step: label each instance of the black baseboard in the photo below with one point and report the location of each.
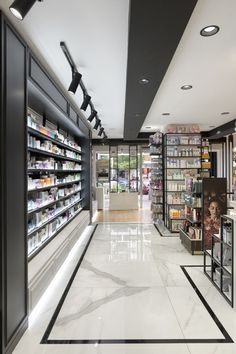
(17, 336)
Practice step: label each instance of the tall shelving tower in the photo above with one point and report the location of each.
(182, 159)
(156, 184)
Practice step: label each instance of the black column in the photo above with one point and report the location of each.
(13, 181)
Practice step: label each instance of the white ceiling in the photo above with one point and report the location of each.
(96, 33)
(206, 63)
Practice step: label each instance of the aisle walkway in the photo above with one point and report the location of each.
(129, 295)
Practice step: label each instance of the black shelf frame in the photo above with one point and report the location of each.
(40, 170)
(182, 157)
(183, 168)
(219, 262)
(54, 185)
(51, 154)
(38, 134)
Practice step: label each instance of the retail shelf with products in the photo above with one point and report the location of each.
(191, 231)
(40, 220)
(42, 184)
(182, 159)
(47, 201)
(48, 153)
(157, 195)
(39, 240)
(43, 133)
(219, 260)
(206, 159)
(54, 181)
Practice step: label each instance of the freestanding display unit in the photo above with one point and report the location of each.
(182, 159)
(214, 241)
(219, 263)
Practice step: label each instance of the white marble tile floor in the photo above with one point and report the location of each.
(130, 287)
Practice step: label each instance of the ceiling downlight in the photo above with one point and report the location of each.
(186, 87)
(209, 30)
(144, 81)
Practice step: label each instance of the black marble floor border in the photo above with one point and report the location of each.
(46, 335)
(162, 235)
(46, 340)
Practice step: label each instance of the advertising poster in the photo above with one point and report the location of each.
(214, 205)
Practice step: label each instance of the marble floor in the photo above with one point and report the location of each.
(129, 295)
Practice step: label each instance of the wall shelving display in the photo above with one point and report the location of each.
(219, 260)
(54, 181)
(182, 152)
(156, 184)
(191, 231)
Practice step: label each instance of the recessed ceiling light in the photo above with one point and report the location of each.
(166, 114)
(223, 113)
(212, 126)
(137, 115)
(148, 127)
(209, 30)
(144, 81)
(186, 87)
(218, 132)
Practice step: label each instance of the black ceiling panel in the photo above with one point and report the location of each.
(156, 27)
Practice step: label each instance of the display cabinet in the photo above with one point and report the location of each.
(156, 185)
(219, 259)
(182, 159)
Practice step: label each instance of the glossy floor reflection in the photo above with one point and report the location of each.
(130, 287)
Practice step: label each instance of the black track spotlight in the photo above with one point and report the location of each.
(20, 8)
(101, 131)
(97, 124)
(76, 77)
(85, 103)
(92, 115)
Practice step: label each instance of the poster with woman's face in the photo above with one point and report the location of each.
(214, 205)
